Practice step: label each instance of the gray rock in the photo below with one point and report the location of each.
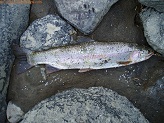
(157, 90)
(16, 22)
(85, 15)
(13, 21)
(153, 23)
(49, 31)
(14, 113)
(2, 108)
(157, 4)
(93, 105)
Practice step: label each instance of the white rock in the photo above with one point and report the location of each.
(14, 113)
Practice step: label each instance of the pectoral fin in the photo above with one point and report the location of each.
(84, 70)
(124, 62)
(50, 69)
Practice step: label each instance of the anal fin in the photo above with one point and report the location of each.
(50, 69)
(84, 70)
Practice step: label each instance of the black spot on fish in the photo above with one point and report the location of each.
(105, 61)
(89, 11)
(85, 6)
(93, 10)
(95, 63)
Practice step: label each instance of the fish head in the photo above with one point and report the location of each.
(141, 55)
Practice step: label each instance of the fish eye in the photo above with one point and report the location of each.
(149, 51)
(141, 53)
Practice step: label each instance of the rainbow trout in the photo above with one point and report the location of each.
(91, 55)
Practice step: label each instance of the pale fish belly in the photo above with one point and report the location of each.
(93, 61)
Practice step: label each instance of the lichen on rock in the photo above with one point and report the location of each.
(47, 32)
(93, 105)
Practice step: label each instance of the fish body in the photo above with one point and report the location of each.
(91, 55)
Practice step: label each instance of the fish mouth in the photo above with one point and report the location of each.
(149, 55)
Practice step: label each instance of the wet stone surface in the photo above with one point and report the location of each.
(84, 15)
(93, 105)
(121, 24)
(41, 10)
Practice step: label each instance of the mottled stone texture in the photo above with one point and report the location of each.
(93, 105)
(2, 108)
(14, 113)
(157, 90)
(84, 15)
(153, 23)
(157, 4)
(49, 31)
(13, 21)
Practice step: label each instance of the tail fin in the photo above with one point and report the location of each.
(22, 66)
(20, 54)
(18, 51)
